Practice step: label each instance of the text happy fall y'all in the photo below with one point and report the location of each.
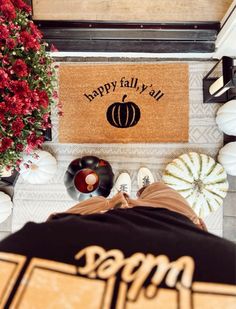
(132, 83)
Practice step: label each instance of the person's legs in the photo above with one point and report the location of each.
(158, 190)
(151, 190)
(100, 204)
(156, 195)
(160, 195)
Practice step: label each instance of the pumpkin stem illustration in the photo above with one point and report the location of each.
(124, 97)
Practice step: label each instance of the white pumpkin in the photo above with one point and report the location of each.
(199, 179)
(38, 167)
(5, 206)
(226, 118)
(227, 157)
(5, 172)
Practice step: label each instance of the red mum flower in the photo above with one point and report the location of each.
(46, 117)
(8, 11)
(3, 107)
(31, 120)
(55, 94)
(3, 121)
(43, 98)
(53, 48)
(14, 105)
(4, 2)
(17, 126)
(4, 80)
(20, 87)
(3, 118)
(46, 125)
(21, 5)
(12, 26)
(5, 144)
(5, 60)
(25, 97)
(29, 41)
(33, 141)
(27, 107)
(20, 148)
(4, 32)
(42, 60)
(20, 68)
(39, 98)
(35, 31)
(11, 43)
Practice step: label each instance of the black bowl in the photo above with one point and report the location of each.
(79, 169)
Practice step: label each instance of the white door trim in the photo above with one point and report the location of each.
(226, 39)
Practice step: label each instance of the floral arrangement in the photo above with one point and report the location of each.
(27, 82)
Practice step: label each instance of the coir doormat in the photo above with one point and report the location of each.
(122, 103)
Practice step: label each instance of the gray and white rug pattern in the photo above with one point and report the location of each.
(37, 202)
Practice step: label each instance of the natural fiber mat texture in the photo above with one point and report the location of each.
(122, 103)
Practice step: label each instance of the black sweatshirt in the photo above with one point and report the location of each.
(142, 257)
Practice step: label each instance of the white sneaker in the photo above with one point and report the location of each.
(145, 177)
(123, 184)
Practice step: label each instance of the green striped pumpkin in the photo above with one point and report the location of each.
(199, 179)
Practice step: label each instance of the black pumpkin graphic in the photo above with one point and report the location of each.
(124, 114)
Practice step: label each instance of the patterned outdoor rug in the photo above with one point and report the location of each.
(36, 203)
(123, 103)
